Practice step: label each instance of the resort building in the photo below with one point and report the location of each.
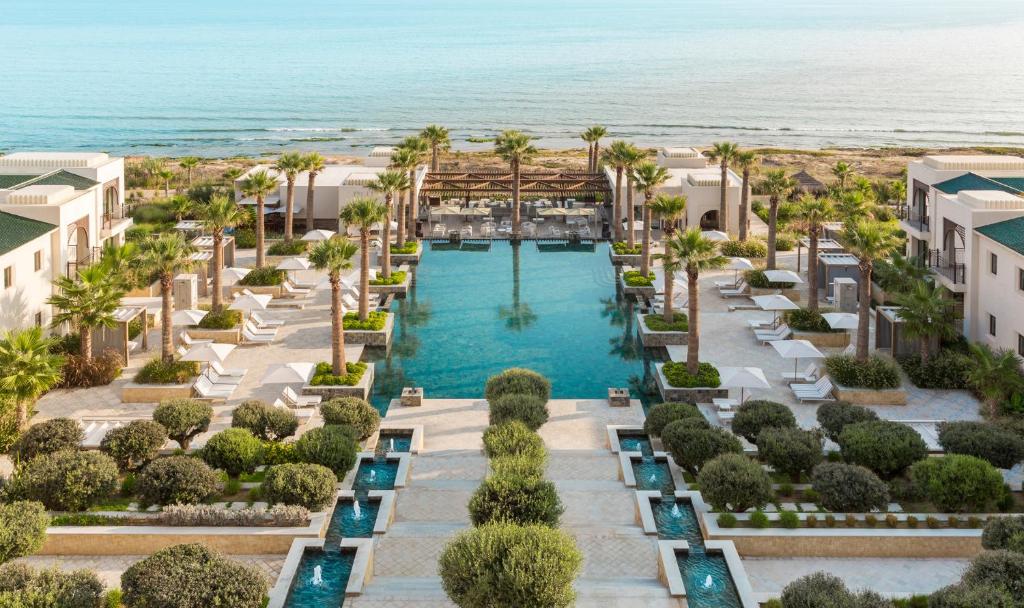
(27, 250)
(959, 221)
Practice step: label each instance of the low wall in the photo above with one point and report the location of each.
(154, 393)
(838, 339)
(407, 258)
(401, 288)
(652, 339)
(689, 395)
(372, 338)
(865, 396)
(224, 336)
(883, 543)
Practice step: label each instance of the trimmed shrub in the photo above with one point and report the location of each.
(333, 446)
(101, 370)
(308, 485)
(48, 437)
(1001, 447)
(158, 371)
(958, 483)
(224, 319)
(678, 376)
(519, 465)
(757, 279)
(376, 321)
(999, 531)
(733, 481)
(659, 416)
(518, 500)
(633, 278)
(513, 438)
(528, 409)
(279, 452)
(267, 276)
(876, 373)
(282, 516)
(834, 416)
(849, 488)
(804, 319)
(759, 520)
(264, 421)
(517, 380)
(294, 247)
(324, 374)
(754, 415)
(234, 451)
(503, 564)
(656, 322)
(22, 586)
(134, 444)
(965, 596)
(357, 413)
(22, 529)
(744, 249)
(692, 445)
(176, 480)
(726, 520)
(884, 446)
(192, 576)
(68, 480)
(998, 570)
(789, 519)
(946, 370)
(817, 590)
(183, 419)
(623, 248)
(791, 451)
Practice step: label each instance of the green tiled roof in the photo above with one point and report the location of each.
(973, 181)
(15, 231)
(9, 181)
(55, 178)
(1009, 233)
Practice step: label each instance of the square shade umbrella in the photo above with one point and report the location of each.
(782, 276)
(210, 351)
(738, 264)
(715, 235)
(317, 235)
(796, 350)
(249, 302)
(296, 263)
(190, 316)
(742, 378)
(297, 372)
(775, 303)
(841, 320)
(230, 276)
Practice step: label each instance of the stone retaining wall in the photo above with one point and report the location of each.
(652, 339)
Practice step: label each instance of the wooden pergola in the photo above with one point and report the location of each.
(475, 184)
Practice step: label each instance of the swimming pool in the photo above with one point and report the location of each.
(484, 307)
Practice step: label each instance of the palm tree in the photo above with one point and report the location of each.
(313, 164)
(671, 264)
(994, 374)
(631, 156)
(335, 255)
(593, 137)
(854, 205)
(220, 214)
(814, 212)
(588, 136)
(926, 313)
(777, 186)
(121, 263)
(515, 148)
(389, 183)
(869, 241)
(842, 172)
(259, 184)
(437, 138)
(419, 149)
(188, 164)
(165, 176)
(724, 152)
(519, 316)
(86, 302)
(617, 155)
(166, 257)
(403, 159)
(231, 174)
(648, 178)
(180, 206)
(697, 254)
(290, 164)
(27, 368)
(363, 213)
(748, 161)
(668, 209)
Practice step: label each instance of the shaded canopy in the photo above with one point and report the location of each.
(805, 182)
(532, 183)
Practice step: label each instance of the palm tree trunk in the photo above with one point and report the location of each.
(385, 255)
(645, 246)
(925, 349)
(85, 342)
(617, 206)
(22, 414)
(863, 310)
(166, 325)
(310, 189)
(693, 337)
(812, 270)
(515, 200)
(167, 188)
(723, 207)
(630, 214)
(435, 161)
(289, 213)
(413, 204)
(597, 157)
(338, 364)
(745, 205)
(773, 218)
(364, 275)
(400, 237)
(218, 261)
(670, 284)
(590, 156)
(260, 244)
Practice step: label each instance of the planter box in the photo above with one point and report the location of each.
(839, 339)
(148, 291)
(267, 290)
(402, 288)
(652, 339)
(412, 396)
(372, 338)
(154, 393)
(792, 294)
(225, 336)
(626, 259)
(640, 292)
(397, 259)
(360, 390)
(690, 395)
(867, 396)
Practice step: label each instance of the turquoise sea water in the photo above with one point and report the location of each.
(250, 76)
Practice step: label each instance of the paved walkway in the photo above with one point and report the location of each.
(110, 567)
(888, 576)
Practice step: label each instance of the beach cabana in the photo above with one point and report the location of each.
(119, 336)
(889, 333)
(205, 243)
(824, 246)
(832, 266)
(807, 184)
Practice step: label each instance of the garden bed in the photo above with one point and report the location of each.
(376, 331)
(662, 337)
(620, 255)
(695, 394)
(399, 257)
(830, 339)
(360, 388)
(226, 336)
(397, 283)
(633, 283)
(868, 396)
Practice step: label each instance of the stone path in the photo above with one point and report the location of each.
(110, 567)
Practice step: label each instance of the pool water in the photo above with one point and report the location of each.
(550, 307)
(335, 568)
(393, 441)
(376, 474)
(653, 475)
(635, 443)
(345, 524)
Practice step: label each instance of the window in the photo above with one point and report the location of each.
(993, 263)
(1020, 345)
(39, 319)
(991, 325)
(8, 277)
(38, 260)
(1020, 279)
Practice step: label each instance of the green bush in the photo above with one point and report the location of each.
(659, 416)
(756, 414)
(517, 381)
(691, 446)
(623, 248)
(789, 519)
(657, 323)
(1001, 531)
(519, 465)
(678, 377)
(757, 279)
(963, 596)
(809, 320)
(101, 370)
(759, 520)
(791, 451)
(295, 247)
(357, 413)
(308, 485)
(324, 374)
(234, 451)
(279, 452)
(245, 238)
(504, 564)
(409, 248)
(823, 590)
(67, 480)
(518, 500)
(22, 529)
(152, 213)
(997, 570)
(22, 586)
(876, 373)
(183, 419)
(513, 439)
(849, 488)
(633, 278)
(1001, 447)
(733, 481)
(134, 444)
(266, 276)
(785, 242)
(958, 483)
(48, 437)
(744, 249)
(375, 321)
(333, 446)
(225, 319)
(884, 446)
(156, 371)
(192, 576)
(177, 480)
(265, 421)
(833, 417)
(397, 277)
(528, 409)
(946, 370)
(726, 520)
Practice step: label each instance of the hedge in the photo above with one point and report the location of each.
(224, 319)
(958, 483)
(375, 321)
(101, 370)
(633, 278)
(744, 249)
(517, 380)
(192, 576)
(183, 419)
(884, 446)
(679, 377)
(265, 421)
(528, 409)
(757, 414)
(48, 437)
(1001, 447)
(659, 416)
(947, 370)
(324, 375)
(513, 439)
(757, 279)
(849, 488)
(266, 276)
(294, 247)
(396, 278)
(623, 248)
(156, 371)
(355, 412)
(176, 480)
(656, 322)
(67, 480)
(809, 320)
(876, 373)
(308, 485)
(519, 500)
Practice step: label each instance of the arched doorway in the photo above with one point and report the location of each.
(709, 221)
(111, 209)
(77, 249)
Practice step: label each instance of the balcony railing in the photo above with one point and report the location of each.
(75, 265)
(915, 217)
(942, 264)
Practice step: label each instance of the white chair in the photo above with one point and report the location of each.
(303, 414)
(733, 284)
(218, 379)
(290, 291)
(263, 322)
(810, 374)
(439, 230)
(266, 331)
(222, 371)
(252, 338)
(188, 340)
(293, 399)
(781, 332)
(819, 391)
(741, 290)
(206, 389)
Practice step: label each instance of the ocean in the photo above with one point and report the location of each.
(249, 77)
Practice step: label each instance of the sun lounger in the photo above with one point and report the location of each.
(742, 290)
(206, 389)
(302, 413)
(264, 323)
(819, 391)
(756, 324)
(726, 416)
(266, 331)
(252, 338)
(188, 340)
(293, 399)
(290, 291)
(725, 404)
(221, 370)
(810, 374)
(733, 284)
(781, 332)
(219, 379)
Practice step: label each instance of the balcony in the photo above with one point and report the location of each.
(950, 269)
(76, 264)
(114, 222)
(914, 219)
